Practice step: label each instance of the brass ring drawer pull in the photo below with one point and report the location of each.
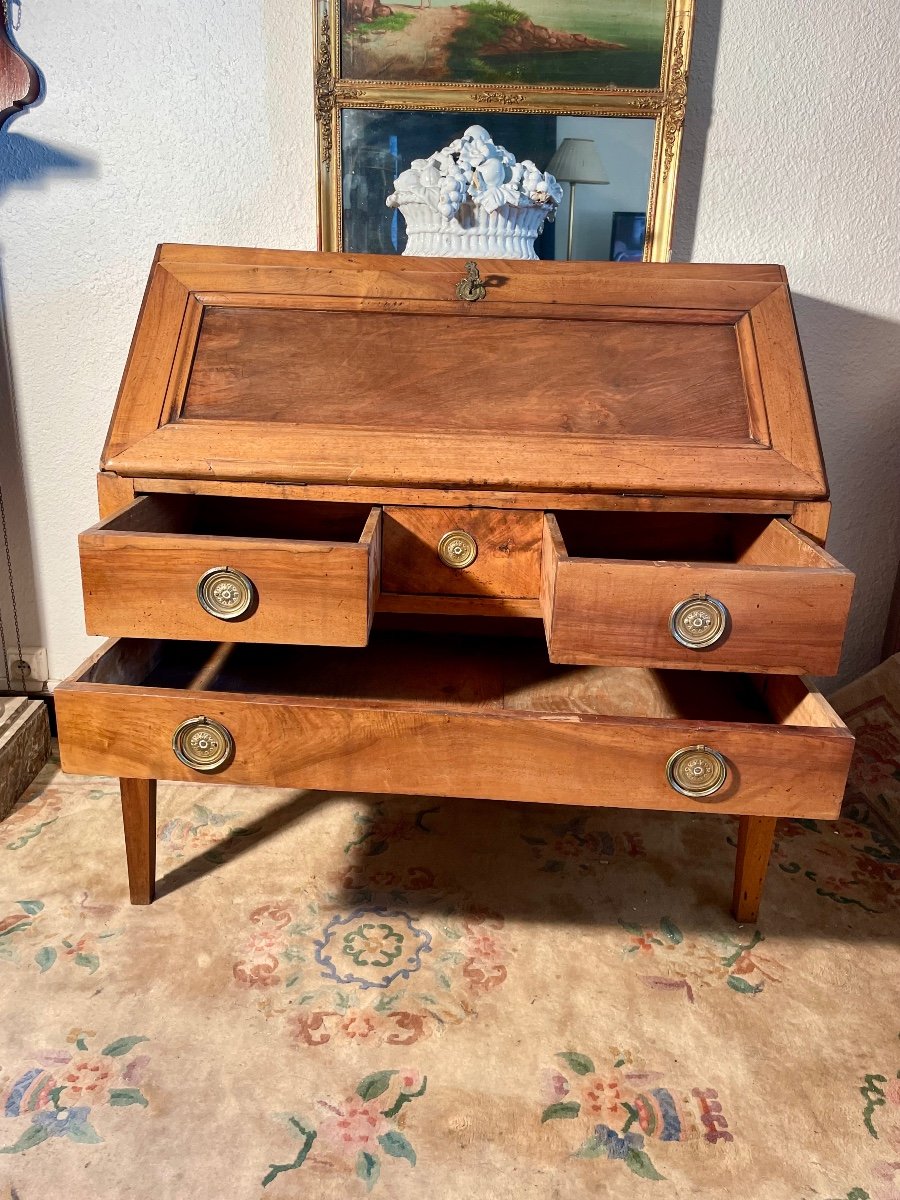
(698, 622)
(457, 549)
(203, 744)
(226, 593)
(696, 771)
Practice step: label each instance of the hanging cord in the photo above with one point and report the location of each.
(16, 22)
(4, 532)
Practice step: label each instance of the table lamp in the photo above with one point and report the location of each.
(576, 161)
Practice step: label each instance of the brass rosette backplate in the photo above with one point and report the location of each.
(457, 549)
(226, 593)
(698, 622)
(696, 771)
(203, 744)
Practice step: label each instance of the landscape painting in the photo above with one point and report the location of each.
(558, 43)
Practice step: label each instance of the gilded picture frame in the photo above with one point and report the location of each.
(665, 105)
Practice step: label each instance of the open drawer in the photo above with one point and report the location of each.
(700, 591)
(202, 567)
(454, 716)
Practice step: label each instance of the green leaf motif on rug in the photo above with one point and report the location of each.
(120, 1097)
(33, 1136)
(368, 1168)
(639, 1162)
(45, 958)
(83, 1132)
(671, 930)
(560, 1112)
(397, 1146)
(580, 1063)
(374, 1085)
(743, 985)
(874, 1097)
(121, 1046)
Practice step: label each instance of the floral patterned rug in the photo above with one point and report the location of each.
(337, 995)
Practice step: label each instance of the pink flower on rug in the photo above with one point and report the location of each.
(409, 1080)
(88, 1080)
(888, 1176)
(554, 1085)
(603, 1096)
(353, 1125)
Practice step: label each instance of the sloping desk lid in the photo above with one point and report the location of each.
(368, 370)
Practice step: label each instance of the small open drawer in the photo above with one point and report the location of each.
(699, 591)
(454, 716)
(213, 568)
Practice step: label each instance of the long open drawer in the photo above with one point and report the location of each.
(455, 716)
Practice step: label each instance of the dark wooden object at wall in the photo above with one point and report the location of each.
(892, 629)
(19, 83)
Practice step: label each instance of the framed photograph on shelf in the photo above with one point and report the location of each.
(396, 82)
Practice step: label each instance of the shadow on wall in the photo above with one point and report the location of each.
(853, 363)
(24, 163)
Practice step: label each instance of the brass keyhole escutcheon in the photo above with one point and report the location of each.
(226, 593)
(696, 771)
(471, 287)
(203, 744)
(698, 622)
(457, 549)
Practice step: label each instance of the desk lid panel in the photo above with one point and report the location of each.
(338, 369)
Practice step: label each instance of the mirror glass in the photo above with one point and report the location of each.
(609, 217)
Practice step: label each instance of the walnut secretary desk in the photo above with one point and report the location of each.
(550, 532)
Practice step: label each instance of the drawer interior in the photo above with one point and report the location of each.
(689, 537)
(235, 516)
(453, 671)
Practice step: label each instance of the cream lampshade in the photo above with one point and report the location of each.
(576, 161)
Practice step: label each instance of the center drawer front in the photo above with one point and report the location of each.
(783, 605)
(142, 568)
(533, 745)
(506, 545)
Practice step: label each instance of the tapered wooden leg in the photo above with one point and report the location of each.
(755, 835)
(139, 818)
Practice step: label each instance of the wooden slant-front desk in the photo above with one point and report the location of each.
(556, 539)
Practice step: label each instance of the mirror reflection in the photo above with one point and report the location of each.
(604, 163)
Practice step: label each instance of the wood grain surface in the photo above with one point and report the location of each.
(140, 576)
(449, 373)
(787, 599)
(508, 561)
(457, 719)
(362, 370)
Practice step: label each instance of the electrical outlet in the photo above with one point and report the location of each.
(31, 668)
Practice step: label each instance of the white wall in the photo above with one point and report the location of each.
(800, 166)
(176, 121)
(162, 121)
